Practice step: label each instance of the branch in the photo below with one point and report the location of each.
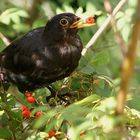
(34, 11)
(4, 39)
(128, 63)
(103, 27)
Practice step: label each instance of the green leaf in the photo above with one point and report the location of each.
(5, 20)
(108, 104)
(75, 113)
(90, 8)
(59, 11)
(75, 83)
(22, 13)
(132, 3)
(39, 23)
(134, 102)
(126, 32)
(68, 8)
(5, 133)
(43, 119)
(89, 100)
(87, 70)
(21, 27)
(89, 55)
(15, 18)
(130, 12)
(79, 11)
(101, 58)
(121, 23)
(119, 15)
(12, 14)
(101, 20)
(107, 79)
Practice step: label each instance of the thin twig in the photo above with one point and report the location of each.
(4, 39)
(119, 39)
(117, 35)
(8, 114)
(10, 124)
(34, 11)
(103, 27)
(108, 6)
(128, 63)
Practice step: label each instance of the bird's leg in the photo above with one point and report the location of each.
(54, 94)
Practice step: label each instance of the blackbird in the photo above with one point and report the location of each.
(43, 55)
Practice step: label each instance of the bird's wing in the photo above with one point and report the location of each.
(26, 63)
(24, 56)
(18, 56)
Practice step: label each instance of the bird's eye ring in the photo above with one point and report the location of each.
(64, 22)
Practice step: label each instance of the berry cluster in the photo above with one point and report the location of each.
(52, 133)
(26, 113)
(30, 97)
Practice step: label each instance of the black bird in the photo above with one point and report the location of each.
(43, 55)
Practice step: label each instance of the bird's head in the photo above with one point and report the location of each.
(66, 24)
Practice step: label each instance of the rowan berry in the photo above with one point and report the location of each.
(31, 99)
(38, 114)
(26, 114)
(51, 133)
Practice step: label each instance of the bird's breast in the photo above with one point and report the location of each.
(69, 55)
(62, 54)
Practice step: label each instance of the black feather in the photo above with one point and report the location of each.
(43, 55)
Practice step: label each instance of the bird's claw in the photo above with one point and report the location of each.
(64, 99)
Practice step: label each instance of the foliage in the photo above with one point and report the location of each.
(90, 92)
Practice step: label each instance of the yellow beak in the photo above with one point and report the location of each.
(83, 23)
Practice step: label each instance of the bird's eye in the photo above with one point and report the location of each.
(64, 22)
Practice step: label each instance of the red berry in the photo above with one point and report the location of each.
(28, 93)
(26, 114)
(31, 99)
(23, 107)
(90, 20)
(38, 114)
(82, 133)
(51, 133)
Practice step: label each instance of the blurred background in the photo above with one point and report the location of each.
(99, 71)
(102, 62)
(104, 58)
